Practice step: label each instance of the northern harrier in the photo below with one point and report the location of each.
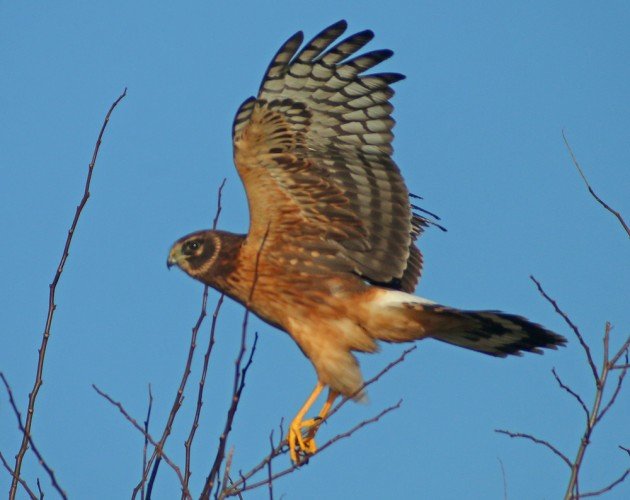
(330, 256)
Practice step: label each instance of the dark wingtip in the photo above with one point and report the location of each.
(297, 37)
(342, 24)
(365, 34)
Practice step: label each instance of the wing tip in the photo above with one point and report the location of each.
(342, 25)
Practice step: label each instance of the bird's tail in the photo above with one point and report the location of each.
(402, 317)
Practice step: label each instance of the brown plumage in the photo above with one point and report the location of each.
(330, 245)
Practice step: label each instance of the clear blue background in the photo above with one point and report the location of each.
(490, 87)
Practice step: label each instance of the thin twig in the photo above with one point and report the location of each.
(590, 189)
(179, 397)
(146, 440)
(370, 381)
(30, 413)
(39, 488)
(202, 383)
(18, 416)
(537, 441)
(158, 449)
(243, 481)
(572, 392)
(239, 384)
(219, 205)
(573, 327)
(326, 445)
(177, 403)
(613, 398)
(608, 364)
(505, 488)
(623, 351)
(20, 480)
(595, 415)
(239, 380)
(282, 448)
(206, 358)
(606, 489)
(269, 470)
(226, 472)
(360, 425)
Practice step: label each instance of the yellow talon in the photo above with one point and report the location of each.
(301, 440)
(301, 437)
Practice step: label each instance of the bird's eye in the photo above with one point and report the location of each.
(190, 247)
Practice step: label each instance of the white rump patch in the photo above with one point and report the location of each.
(395, 297)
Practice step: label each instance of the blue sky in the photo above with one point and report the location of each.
(490, 86)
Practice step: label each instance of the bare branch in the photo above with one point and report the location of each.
(505, 489)
(606, 489)
(370, 381)
(572, 392)
(228, 466)
(146, 440)
(350, 432)
(239, 380)
(613, 398)
(269, 470)
(177, 403)
(219, 205)
(281, 448)
(623, 350)
(239, 384)
(590, 189)
(19, 479)
(158, 449)
(537, 441)
(360, 425)
(179, 397)
(595, 414)
(202, 383)
(52, 306)
(18, 416)
(568, 321)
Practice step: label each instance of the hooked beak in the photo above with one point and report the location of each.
(173, 258)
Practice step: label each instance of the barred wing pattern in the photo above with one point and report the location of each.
(314, 153)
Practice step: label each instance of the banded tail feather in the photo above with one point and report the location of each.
(494, 333)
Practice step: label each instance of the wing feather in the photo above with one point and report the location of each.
(314, 152)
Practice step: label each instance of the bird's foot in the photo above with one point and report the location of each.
(302, 439)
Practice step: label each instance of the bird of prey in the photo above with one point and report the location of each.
(330, 256)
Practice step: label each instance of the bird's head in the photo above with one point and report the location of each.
(196, 253)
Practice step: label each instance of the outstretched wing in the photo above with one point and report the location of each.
(314, 153)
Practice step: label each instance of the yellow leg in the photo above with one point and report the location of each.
(295, 429)
(314, 423)
(304, 444)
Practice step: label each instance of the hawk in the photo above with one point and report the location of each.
(330, 256)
